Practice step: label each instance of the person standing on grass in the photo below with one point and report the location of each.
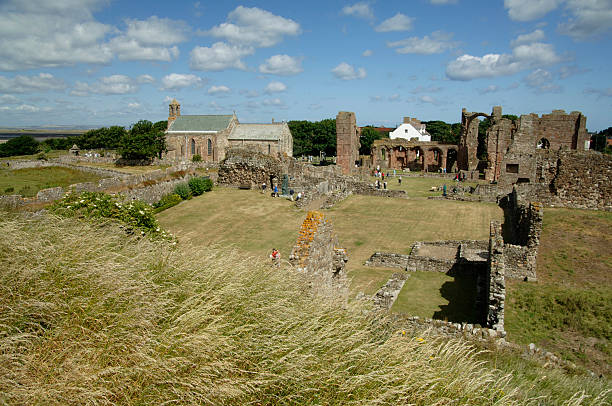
(275, 256)
(399, 180)
(263, 188)
(275, 191)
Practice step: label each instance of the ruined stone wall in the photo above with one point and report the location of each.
(248, 167)
(561, 130)
(468, 142)
(347, 141)
(496, 293)
(317, 254)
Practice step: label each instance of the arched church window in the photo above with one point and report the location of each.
(193, 147)
(209, 147)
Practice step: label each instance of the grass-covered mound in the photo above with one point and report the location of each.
(89, 315)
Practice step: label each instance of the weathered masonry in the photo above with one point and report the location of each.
(347, 141)
(209, 136)
(428, 156)
(317, 254)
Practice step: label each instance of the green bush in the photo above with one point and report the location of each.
(197, 158)
(200, 185)
(183, 190)
(135, 214)
(166, 202)
(9, 189)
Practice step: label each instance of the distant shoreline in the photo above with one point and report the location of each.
(42, 134)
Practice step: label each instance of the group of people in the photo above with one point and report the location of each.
(299, 195)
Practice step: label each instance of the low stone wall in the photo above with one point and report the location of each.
(388, 260)
(387, 295)
(520, 262)
(317, 255)
(149, 187)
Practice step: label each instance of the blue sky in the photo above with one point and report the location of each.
(98, 62)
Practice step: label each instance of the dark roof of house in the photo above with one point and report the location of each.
(197, 123)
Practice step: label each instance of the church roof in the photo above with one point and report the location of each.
(197, 123)
(257, 132)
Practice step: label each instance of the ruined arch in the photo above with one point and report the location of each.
(468, 142)
(451, 160)
(543, 143)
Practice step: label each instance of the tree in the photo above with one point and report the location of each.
(108, 138)
(310, 138)
(443, 132)
(143, 141)
(368, 136)
(161, 126)
(599, 141)
(22, 145)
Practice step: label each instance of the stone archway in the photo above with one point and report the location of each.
(543, 144)
(468, 143)
(451, 160)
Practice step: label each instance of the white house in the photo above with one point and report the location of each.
(411, 129)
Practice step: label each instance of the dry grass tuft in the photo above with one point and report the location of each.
(90, 316)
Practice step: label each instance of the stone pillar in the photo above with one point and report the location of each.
(443, 154)
(468, 143)
(347, 141)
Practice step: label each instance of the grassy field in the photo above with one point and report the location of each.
(569, 309)
(55, 153)
(257, 223)
(27, 182)
(91, 315)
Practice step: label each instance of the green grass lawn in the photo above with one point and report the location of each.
(438, 295)
(256, 223)
(27, 182)
(54, 153)
(420, 187)
(569, 309)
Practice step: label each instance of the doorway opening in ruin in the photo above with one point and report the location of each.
(543, 144)
(436, 160)
(451, 160)
(416, 159)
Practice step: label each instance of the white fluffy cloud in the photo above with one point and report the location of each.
(587, 17)
(527, 10)
(537, 35)
(42, 82)
(281, 65)
(345, 71)
(219, 56)
(398, 22)
(114, 84)
(219, 90)
(255, 27)
(361, 10)
(145, 79)
(176, 81)
(36, 33)
(590, 18)
(438, 42)
(527, 56)
(275, 87)
(367, 52)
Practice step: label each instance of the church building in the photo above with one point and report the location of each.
(210, 135)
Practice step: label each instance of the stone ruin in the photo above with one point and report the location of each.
(317, 254)
(321, 186)
(427, 156)
(511, 252)
(347, 142)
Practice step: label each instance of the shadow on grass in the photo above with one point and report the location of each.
(462, 298)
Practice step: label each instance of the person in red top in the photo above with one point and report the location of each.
(275, 256)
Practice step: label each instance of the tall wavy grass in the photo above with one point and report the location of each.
(89, 315)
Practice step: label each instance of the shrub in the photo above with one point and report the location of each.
(41, 156)
(96, 205)
(197, 158)
(183, 190)
(200, 185)
(9, 189)
(166, 202)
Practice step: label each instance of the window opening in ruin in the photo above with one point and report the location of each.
(512, 168)
(269, 149)
(436, 154)
(209, 147)
(193, 147)
(543, 144)
(382, 151)
(182, 150)
(522, 180)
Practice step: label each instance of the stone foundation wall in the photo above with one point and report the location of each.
(317, 254)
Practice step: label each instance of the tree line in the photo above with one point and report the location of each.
(144, 140)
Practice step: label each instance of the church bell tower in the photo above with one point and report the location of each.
(174, 110)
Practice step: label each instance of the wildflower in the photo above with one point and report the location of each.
(420, 339)
(141, 212)
(157, 229)
(403, 332)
